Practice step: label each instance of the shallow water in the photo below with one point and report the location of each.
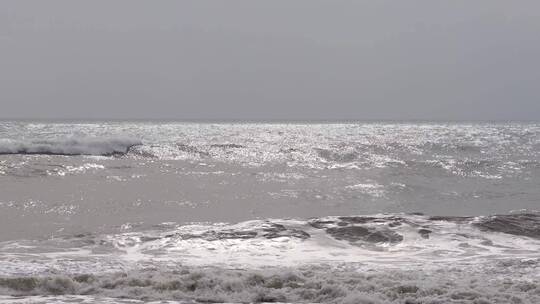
(334, 213)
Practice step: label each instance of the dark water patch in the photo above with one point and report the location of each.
(269, 231)
(278, 230)
(192, 150)
(138, 151)
(48, 285)
(23, 284)
(359, 229)
(517, 224)
(523, 224)
(370, 235)
(424, 233)
(358, 219)
(381, 229)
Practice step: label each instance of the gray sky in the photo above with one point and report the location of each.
(272, 59)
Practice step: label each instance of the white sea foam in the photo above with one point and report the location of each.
(324, 260)
(374, 241)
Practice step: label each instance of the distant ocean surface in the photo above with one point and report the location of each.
(133, 212)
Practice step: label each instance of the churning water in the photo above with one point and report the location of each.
(129, 212)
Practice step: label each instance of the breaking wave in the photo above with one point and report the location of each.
(70, 146)
(396, 258)
(285, 285)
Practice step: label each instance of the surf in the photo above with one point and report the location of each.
(69, 146)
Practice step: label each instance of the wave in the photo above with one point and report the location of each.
(404, 239)
(69, 146)
(395, 258)
(321, 284)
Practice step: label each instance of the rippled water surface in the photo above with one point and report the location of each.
(341, 213)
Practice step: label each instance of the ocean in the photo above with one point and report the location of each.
(193, 212)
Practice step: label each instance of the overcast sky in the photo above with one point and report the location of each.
(273, 59)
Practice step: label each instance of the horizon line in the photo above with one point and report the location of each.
(265, 120)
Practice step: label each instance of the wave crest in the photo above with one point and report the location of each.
(69, 146)
(321, 284)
